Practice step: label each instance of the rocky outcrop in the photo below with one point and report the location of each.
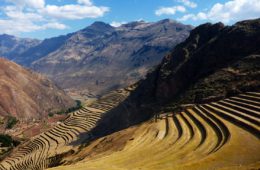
(225, 56)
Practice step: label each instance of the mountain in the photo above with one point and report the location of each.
(41, 50)
(100, 57)
(11, 46)
(213, 63)
(200, 103)
(216, 61)
(27, 95)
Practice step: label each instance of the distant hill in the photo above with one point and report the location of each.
(11, 46)
(100, 57)
(27, 95)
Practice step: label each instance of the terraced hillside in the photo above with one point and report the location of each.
(45, 149)
(218, 135)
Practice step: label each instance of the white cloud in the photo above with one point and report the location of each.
(188, 3)
(74, 11)
(117, 24)
(32, 15)
(28, 3)
(228, 12)
(14, 27)
(86, 2)
(169, 10)
(13, 12)
(199, 16)
(54, 25)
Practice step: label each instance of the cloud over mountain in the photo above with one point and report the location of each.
(32, 15)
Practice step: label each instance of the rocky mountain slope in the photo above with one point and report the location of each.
(11, 46)
(100, 57)
(214, 63)
(215, 71)
(27, 95)
(199, 90)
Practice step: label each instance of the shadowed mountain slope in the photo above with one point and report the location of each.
(27, 95)
(214, 62)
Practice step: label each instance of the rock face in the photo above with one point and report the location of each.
(11, 46)
(101, 58)
(27, 95)
(214, 62)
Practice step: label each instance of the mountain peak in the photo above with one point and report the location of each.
(100, 25)
(164, 21)
(134, 23)
(6, 36)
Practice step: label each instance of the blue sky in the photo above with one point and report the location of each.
(47, 18)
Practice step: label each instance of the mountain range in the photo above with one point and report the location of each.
(199, 103)
(100, 57)
(11, 46)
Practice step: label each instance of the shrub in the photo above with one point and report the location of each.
(72, 109)
(11, 121)
(5, 140)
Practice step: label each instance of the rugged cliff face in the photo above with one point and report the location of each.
(27, 95)
(215, 62)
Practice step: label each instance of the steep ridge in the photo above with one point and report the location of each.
(27, 95)
(218, 135)
(216, 61)
(45, 149)
(101, 58)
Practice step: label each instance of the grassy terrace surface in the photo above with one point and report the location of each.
(43, 150)
(218, 135)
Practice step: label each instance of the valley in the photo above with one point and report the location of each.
(130, 96)
(101, 58)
